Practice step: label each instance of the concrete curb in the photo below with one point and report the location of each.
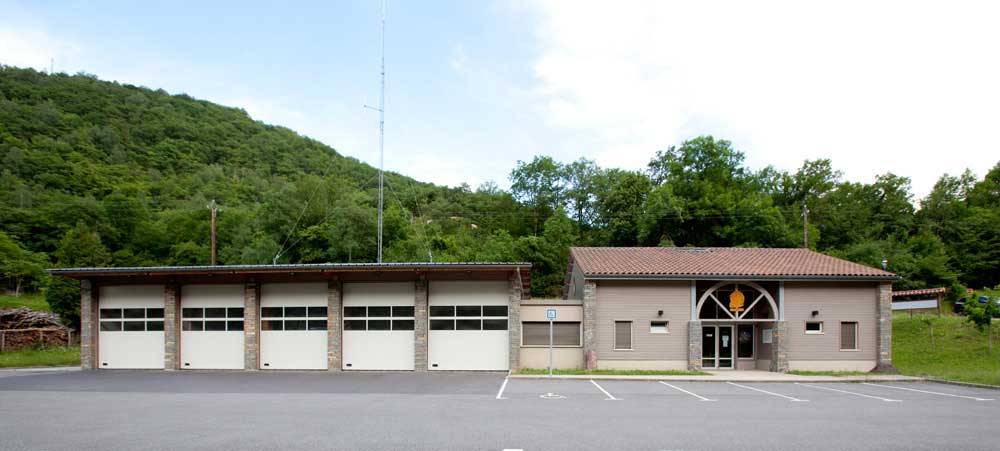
(784, 378)
(40, 368)
(963, 384)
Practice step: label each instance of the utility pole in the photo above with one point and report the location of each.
(212, 206)
(805, 225)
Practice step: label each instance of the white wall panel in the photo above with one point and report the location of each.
(212, 349)
(299, 349)
(379, 294)
(468, 292)
(484, 350)
(136, 350)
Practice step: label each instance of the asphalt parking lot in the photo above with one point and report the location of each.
(488, 411)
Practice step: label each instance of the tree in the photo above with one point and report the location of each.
(539, 184)
(19, 268)
(981, 314)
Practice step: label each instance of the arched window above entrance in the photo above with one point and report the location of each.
(740, 301)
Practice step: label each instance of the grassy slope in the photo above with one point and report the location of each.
(959, 352)
(34, 301)
(40, 357)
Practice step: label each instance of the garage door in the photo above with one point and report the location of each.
(378, 326)
(293, 326)
(468, 325)
(212, 326)
(131, 326)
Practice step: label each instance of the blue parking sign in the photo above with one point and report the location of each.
(550, 313)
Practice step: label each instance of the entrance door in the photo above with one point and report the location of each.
(717, 347)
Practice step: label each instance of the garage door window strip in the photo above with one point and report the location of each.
(468, 317)
(397, 317)
(212, 319)
(293, 318)
(131, 319)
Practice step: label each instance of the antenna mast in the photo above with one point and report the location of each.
(381, 137)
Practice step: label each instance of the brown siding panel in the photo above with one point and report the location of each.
(638, 302)
(835, 302)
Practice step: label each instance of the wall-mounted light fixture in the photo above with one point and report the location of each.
(815, 313)
(659, 313)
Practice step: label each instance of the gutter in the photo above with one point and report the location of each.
(742, 278)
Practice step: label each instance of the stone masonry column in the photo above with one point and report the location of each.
(88, 325)
(251, 322)
(590, 324)
(514, 321)
(420, 325)
(334, 327)
(884, 327)
(171, 326)
(694, 345)
(779, 347)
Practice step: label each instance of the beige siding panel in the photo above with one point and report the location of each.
(638, 302)
(568, 358)
(835, 302)
(831, 365)
(653, 365)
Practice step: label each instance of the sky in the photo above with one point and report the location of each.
(907, 87)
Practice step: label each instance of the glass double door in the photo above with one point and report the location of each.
(717, 347)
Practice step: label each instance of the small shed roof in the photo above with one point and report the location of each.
(719, 262)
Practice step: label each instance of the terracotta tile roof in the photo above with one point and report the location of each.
(718, 262)
(919, 292)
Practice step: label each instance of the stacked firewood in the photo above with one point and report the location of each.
(23, 327)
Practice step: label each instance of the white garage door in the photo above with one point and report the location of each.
(468, 325)
(293, 326)
(212, 326)
(131, 326)
(378, 326)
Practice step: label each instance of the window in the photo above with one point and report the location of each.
(213, 319)
(284, 318)
(744, 341)
(849, 336)
(814, 327)
(536, 333)
(468, 317)
(137, 319)
(379, 317)
(623, 335)
(658, 327)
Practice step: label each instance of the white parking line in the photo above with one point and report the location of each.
(848, 392)
(928, 392)
(685, 391)
(610, 397)
(502, 387)
(770, 393)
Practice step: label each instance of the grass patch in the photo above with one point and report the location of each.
(583, 372)
(959, 351)
(40, 357)
(828, 373)
(34, 301)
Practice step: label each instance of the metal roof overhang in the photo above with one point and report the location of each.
(250, 270)
(741, 277)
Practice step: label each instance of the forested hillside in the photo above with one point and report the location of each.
(97, 173)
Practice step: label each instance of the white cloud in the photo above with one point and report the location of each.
(905, 87)
(34, 48)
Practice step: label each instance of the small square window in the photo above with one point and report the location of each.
(295, 312)
(814, 327)
(355, 312)
(402, 324)
(133, 313)
(107, 313)
(317, 324)
(379, 324)
(215, 326)
(154, 313)
(402, 311)
(135, 326)
(271, 324)
(192, 325)
(271, 312)
(235, 312)
(154, 325)
(442, 310)
(215, 312)
(658, 327)
(111, 326)
(442, 324)
(494, 310)
(468, 310)
(468, 324)
(379, 312)
(354, 324)
(191, 313)
(317, 312)
(234, 325)
(295, 324)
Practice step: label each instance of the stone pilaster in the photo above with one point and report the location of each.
(88, 325)
(779, 347)
(590, 324)
(884, 332)
(514, 321)
(334, 326)
(171, 327)
(694, 345)
(251, 324)
(420, 325)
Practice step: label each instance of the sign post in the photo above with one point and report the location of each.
(551, 315)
